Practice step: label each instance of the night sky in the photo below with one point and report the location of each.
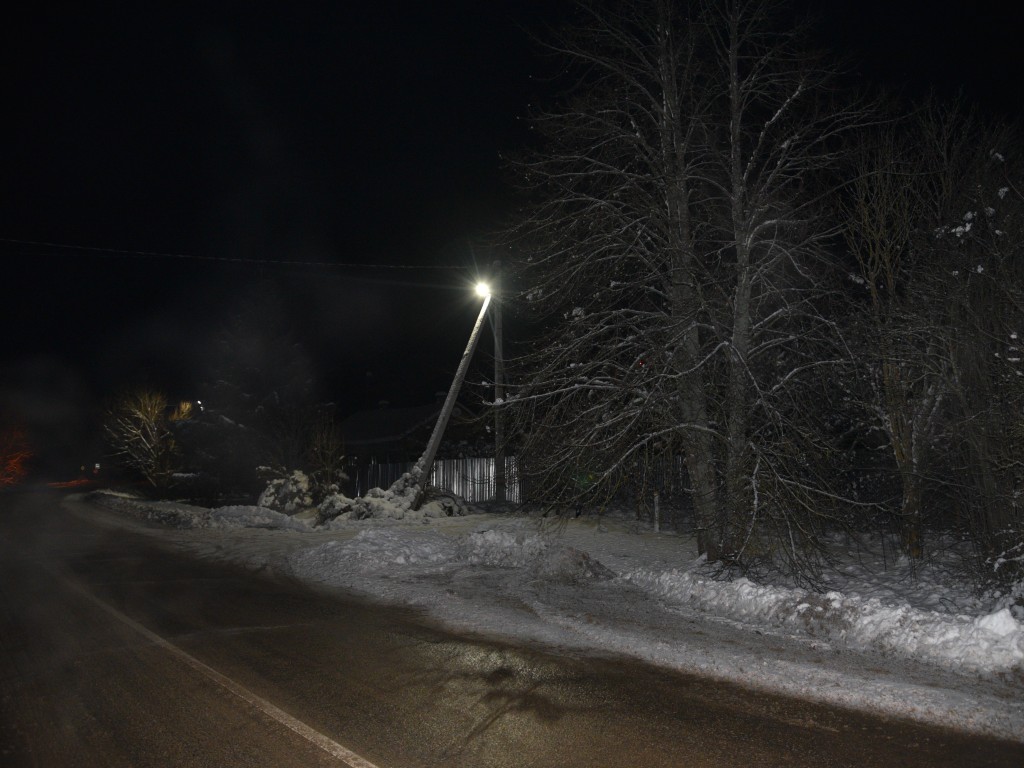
(173, 155)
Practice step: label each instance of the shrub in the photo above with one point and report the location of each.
(289, 494)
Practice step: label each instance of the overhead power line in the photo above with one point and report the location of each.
(125, 253)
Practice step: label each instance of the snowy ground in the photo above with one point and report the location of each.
(885, 640)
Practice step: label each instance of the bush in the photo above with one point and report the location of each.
(288, 494)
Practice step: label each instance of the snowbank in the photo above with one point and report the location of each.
(378, 551)
(254, 517)
(987, 644)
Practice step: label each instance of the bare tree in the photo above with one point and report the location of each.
(305, 442)
(676, 256)
(982, 300)
(139, 428)
(884, 215)
(931, 220)
(326, 451)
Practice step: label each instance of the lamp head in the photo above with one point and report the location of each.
(483, 290)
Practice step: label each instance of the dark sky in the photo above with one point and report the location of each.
(313, 132)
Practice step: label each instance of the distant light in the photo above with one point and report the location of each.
(483, 290)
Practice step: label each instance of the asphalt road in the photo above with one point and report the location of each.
(115, 652)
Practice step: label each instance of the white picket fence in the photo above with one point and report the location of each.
(472, 479)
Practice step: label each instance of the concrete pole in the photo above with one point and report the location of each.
(421, 472)
(500, 493)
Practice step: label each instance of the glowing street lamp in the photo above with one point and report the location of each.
(421, 471)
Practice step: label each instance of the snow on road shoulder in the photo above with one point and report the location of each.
(986, 644)
(992, 643)
(173, 514)
(539, 555)
(505, 576)
(371, 552)
(253, 517)
(397, 551)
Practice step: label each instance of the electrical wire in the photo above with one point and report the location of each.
(152, 255)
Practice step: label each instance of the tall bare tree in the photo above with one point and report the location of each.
(889, 203)
(677, 257)
(931, 219)
(980, 292)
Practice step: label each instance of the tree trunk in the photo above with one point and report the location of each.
(911, 515)
(736, 499)
(737, 405)
(696, 434)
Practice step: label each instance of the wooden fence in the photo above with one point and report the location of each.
(472, 479)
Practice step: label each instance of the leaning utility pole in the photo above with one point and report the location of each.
(421, 471)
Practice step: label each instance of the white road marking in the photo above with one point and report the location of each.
(312, 735)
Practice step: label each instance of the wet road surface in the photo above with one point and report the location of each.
(115, 652)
